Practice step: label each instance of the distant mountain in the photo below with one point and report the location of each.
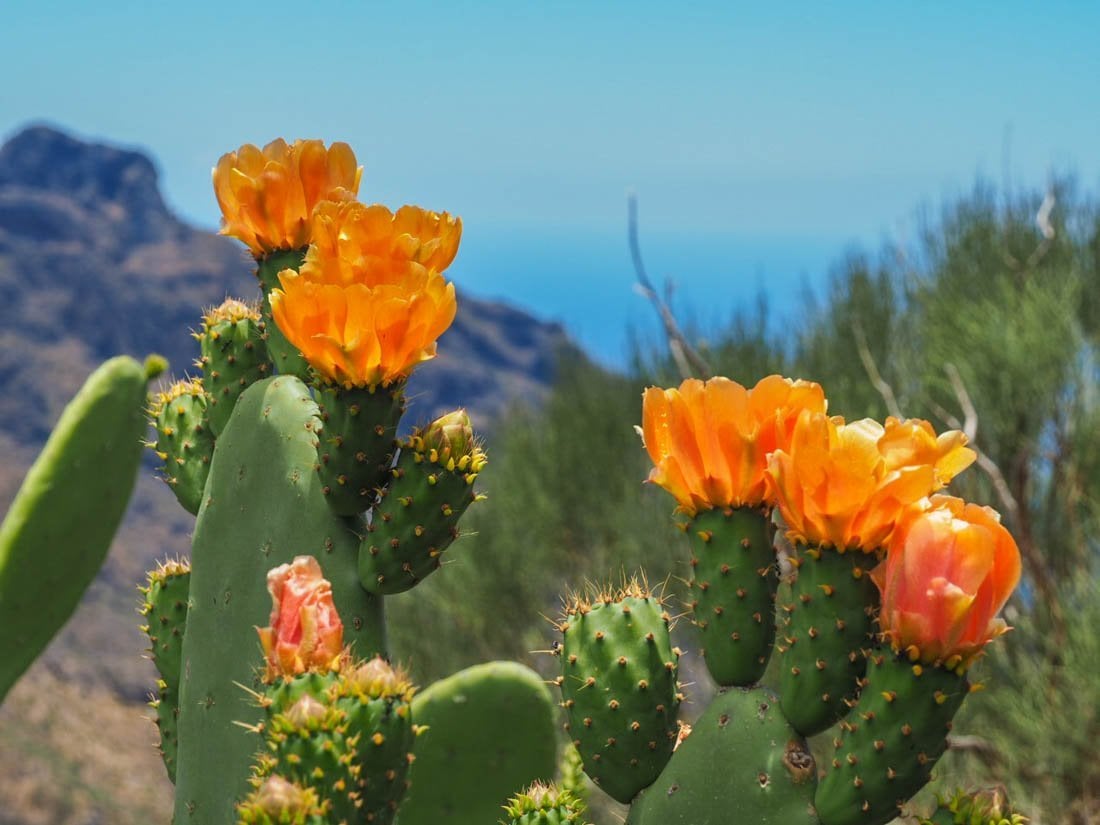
(93, 264)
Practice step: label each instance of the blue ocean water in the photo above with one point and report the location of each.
(585, 280)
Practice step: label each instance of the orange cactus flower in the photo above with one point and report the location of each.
(950, 568)
(305, 632)
(353, 243)
(709, 441)
(369, 302)
(356, 336)
(267, 196)
(844, 485)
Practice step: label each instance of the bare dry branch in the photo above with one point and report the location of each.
(880, 383)
(970, 424)
(688, 360)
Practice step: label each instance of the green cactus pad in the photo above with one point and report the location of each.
(885, 750)
(357, 444)
(263, 507)
(59, 527)
(544, 805)
(741, 762)
(619, 688)
(376, 699)
(828, 623)
(276, 801)
(310, 745)
(165, 610)
(490, 733)
(233, 342)
(734, 578)
(284, 355)
(184, 440)
(416, 518)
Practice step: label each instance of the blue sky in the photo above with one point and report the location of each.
(761, 142)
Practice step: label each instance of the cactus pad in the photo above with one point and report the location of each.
(490, 733)
(741, 762)
(619, 687)
(417, 516)
(59, 527)
(886, 748)
(284, 355)
(544, 805)
(734, 579)
(233, 342)
(184, 442)
(828, 624)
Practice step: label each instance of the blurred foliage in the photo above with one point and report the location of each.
(994, 305)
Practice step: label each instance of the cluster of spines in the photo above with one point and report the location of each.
(416, 517)
(619, 687)
(826, 631)
(542, 804)
(278, 801)
(164, 608)
(233, 343)
(988, 807)
(885, 749)
(346, 733)
(735, 574)
(184, 440)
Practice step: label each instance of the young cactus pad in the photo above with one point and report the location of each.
(827, 625)
(734, 577)
(741, 762)
(491, 731)
(416, 518)
(233, 342)
(59, 527)
(888, 745)
(264, 506)
(164, 607)
(284, 355)
(184, 440)
(544, 805)
(619, 687)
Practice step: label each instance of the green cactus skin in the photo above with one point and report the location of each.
(233, 343)
(358, 443)
(279, 802)
(828, 623)
(885, 750)
(415, 520)
(59, 527)
(263, 507)
(284, 355)
(734, 578)
(185, 442)
(165, 610)
(491, 731)
(619, 689)
(571, 770)
(544, 805)
(310, 744)
(741, 762)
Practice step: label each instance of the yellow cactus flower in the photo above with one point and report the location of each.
(359, 336)
(709, 441)
(353, 243)
(267, 196)
(844, 485)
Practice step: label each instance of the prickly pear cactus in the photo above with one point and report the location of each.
(233, 343)
(180, 416)
(166, 597)
(544, 805)
(59, 527)
(619, 688)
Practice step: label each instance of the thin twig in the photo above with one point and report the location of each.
(880, 383)
(688, 361)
